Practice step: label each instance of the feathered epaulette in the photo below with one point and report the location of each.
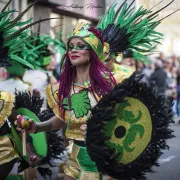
(128, 129)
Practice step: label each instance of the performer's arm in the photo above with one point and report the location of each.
(52, 124)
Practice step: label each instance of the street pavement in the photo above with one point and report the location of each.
(170, 161)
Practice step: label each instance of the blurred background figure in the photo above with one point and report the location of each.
(177, 101)
(159, 76)
(147, 71)
(161, 57)
(39, 78)
(114, 66)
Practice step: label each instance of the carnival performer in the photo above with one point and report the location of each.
(12, 41)
(82, 61)
(8, 153)
(84, 79)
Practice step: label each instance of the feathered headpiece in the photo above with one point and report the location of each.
(57, 43)
(82, 30)
(40, 53)
(13, 41)
(130, 29)
(124, 29)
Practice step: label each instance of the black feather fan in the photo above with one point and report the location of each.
(55, 142)
(107, 157)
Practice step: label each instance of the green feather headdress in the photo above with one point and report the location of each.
(57, 43)
(40, 54)
(13, 41)
(129, 29)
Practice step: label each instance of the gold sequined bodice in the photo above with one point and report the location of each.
(72, 119)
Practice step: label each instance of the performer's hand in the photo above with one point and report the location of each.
(25, 124)
(34, 160)
(83, 128)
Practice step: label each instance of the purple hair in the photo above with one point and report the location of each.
(101, 79)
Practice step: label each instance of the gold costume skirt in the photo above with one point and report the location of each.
(80, 167)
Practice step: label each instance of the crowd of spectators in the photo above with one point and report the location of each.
(164, 71)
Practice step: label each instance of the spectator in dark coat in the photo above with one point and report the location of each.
(159, 76)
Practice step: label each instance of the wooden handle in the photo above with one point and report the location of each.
(24, 143)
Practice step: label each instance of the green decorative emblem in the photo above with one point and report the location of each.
(80, 104)
(130, 131)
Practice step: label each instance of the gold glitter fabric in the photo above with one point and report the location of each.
(122, 75)
(7, 151)
(75, 170)
(52, 98)
(6, 105)
(73, 123)
(140, 142)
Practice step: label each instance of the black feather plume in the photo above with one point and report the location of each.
(4, 59)
(161, 116)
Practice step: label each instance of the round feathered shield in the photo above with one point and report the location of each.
(49, 145)
(128, 128)
(39, 140)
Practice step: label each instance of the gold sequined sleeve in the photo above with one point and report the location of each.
(52, 98)
(6, 105)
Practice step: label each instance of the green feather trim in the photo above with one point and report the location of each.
(20, 60)
(140, 33)
(140, 57)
